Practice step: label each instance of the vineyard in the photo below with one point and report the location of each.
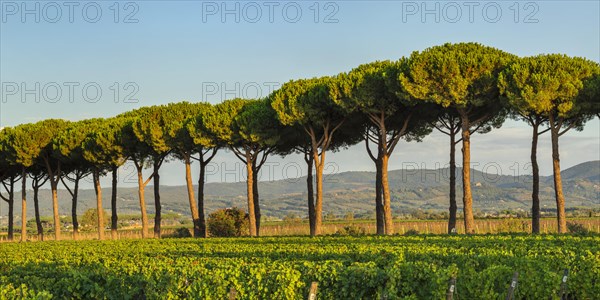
(399, 267)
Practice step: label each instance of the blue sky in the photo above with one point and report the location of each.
(185, 50)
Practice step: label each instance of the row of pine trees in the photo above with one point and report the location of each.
(457, 89)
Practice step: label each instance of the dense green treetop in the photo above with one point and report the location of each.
(547, 84)
(309, 102)
(257, 123)
(28, 142)
(218, 121)
(461, 75)
(103, 145)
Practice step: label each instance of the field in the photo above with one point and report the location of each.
(482, 226)
(367, 267)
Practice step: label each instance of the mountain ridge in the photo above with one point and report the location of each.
(353, 191)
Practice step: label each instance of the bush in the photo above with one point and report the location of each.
(352, 230)
(292, 218)
(228, 222)
(181, 232)
(411, 232)
(577, 228)
(89, 220)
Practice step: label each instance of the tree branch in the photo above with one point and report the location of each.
(66, 186)
(573, 124)
(239, 154)
(369, 149)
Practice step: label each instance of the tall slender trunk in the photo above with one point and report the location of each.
(99, 209)
(453, 207)
(11, 218)
(114, 219)
(467, 197)
(310, 194)
(201, 217)
(535, 198)
(387, 203)
(54, 186)
(74, 209)
(558, 191)
(141, 196)
(257, 214)
(379, 214)
(157, 205)
(250, 193)
(319, 166)
(36, 205)
(191, 197)
(23, 205)
(11, 209)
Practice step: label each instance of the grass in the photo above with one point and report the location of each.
(482, 226)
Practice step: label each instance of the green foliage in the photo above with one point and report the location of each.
(228, 222)
(256, 124)
(312, 102)
(28, 142)
(22, 292)
(411, 232)
(459, 75)
(369, 267)
(219, 119)
(103, 146)
(352, 230)
(547, 84)
(183, 134)
(577, 228)
(89, 220)
(179, 233)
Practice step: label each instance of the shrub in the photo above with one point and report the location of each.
(351, 230)
(181, 232)
(228, 222)
(89, 220)
(292, 218)
(577, 228)
(411, 232)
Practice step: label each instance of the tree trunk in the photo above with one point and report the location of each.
(379, 216)
(558, 191)
(99, 209)
(191, 197)
(387, 201)
(319, 166)
(201, 217)
(36, 205)
(467, 197)
(54, 186)
(11, 209)
(310, 194)
(141, 196)
(74, 209)
(453, 207)
(23, 205)
(157, 206)
(114, 219)
(250, 194)
(535, 198)
(255, 198)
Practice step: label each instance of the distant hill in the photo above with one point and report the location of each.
(354, 192)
